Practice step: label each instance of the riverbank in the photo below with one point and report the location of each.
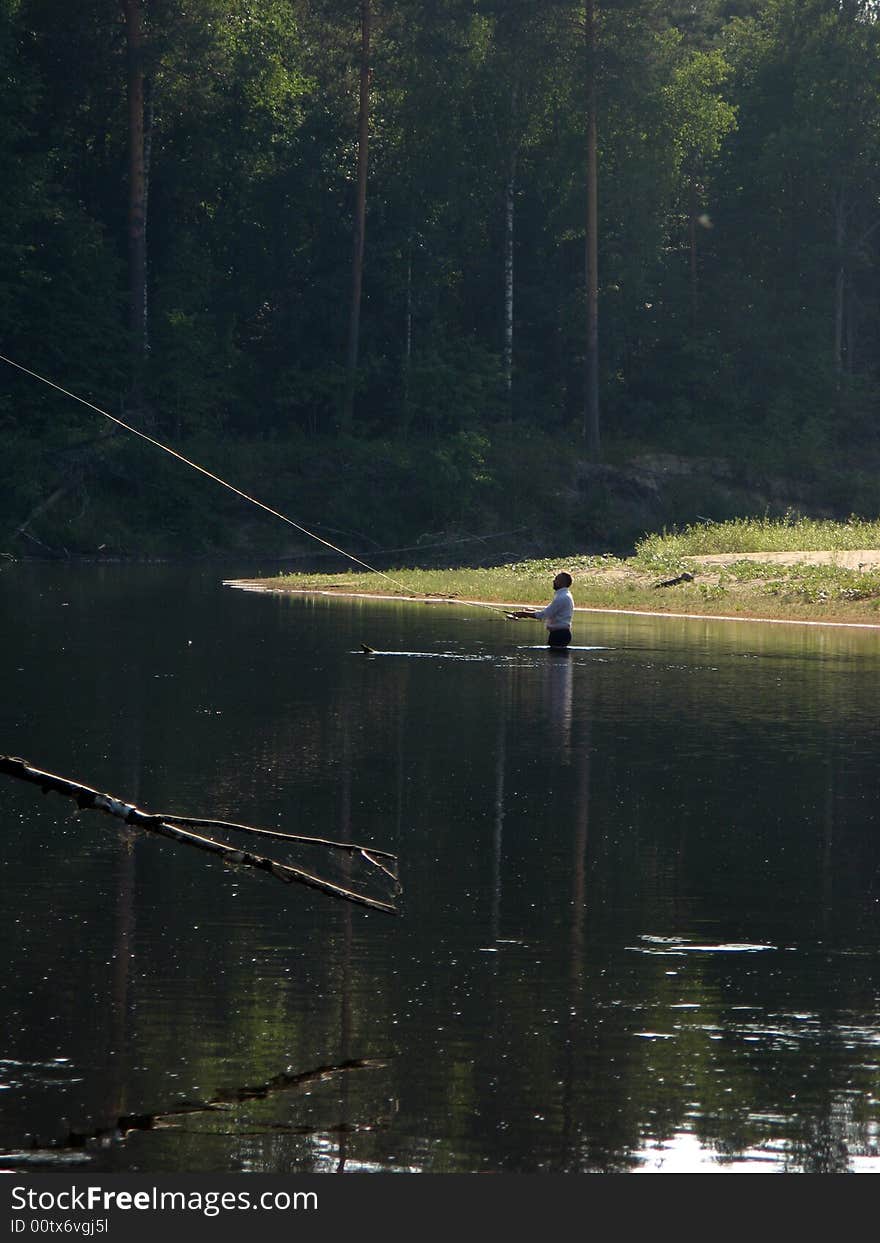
(831, 586)
(477, 500)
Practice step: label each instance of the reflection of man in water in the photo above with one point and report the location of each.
(557, 615)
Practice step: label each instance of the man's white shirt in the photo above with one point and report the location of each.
(558, 613)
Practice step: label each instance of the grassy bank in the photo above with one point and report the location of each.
(753, 535)
(792, 568)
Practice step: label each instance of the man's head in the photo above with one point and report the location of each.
(562, 579)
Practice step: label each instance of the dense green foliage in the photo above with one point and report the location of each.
(739, 205)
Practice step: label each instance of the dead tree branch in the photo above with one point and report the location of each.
(88, 799)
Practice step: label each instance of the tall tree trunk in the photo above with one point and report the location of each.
(149, 110)
(692, 249)
(357, 266)
(509, 220)
(407, 334)
(591, 395)
(851, 329)
(839, 280)
(137, 193)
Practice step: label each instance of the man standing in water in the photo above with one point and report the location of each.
(557, 615)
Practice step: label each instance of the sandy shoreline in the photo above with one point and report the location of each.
(850, 559)
(861, 560)
(340, 593)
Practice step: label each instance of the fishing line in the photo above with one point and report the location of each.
(216, 478)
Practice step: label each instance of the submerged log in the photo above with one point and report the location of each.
(168, 825)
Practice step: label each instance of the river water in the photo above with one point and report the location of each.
(640, 918)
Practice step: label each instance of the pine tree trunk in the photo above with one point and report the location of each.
(509, 221)
(137, 238)
(851, 330)
(591, 397)
(839, 280)
(149, 110)
(407, 335)
(357, 267)
(692, 249)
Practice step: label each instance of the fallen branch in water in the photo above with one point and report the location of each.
(120, 1129)
(369, 853)
(168, 826)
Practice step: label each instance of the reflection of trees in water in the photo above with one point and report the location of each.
(734, 1084)
(766, 1058)
(345, 1001)
(117, 1059)
(653, 843)
(570, 1140)
(125, 905)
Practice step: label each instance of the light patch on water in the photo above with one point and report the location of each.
(571, 647)
(865, 1165)
(472, 656)
(860, 1035)
(683, 1153)
(677, 946)
(56, 1061)
(16, 1074)
(499, 658)
(41, 1157)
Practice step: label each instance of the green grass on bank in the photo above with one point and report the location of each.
(518, 581)
(788, 534)
(742, 587)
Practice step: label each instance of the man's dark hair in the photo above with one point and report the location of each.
(565, 577)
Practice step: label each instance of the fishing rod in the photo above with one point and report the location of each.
(237, 491)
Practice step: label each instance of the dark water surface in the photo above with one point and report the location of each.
(641, 911)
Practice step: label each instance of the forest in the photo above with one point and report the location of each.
(534, 274)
